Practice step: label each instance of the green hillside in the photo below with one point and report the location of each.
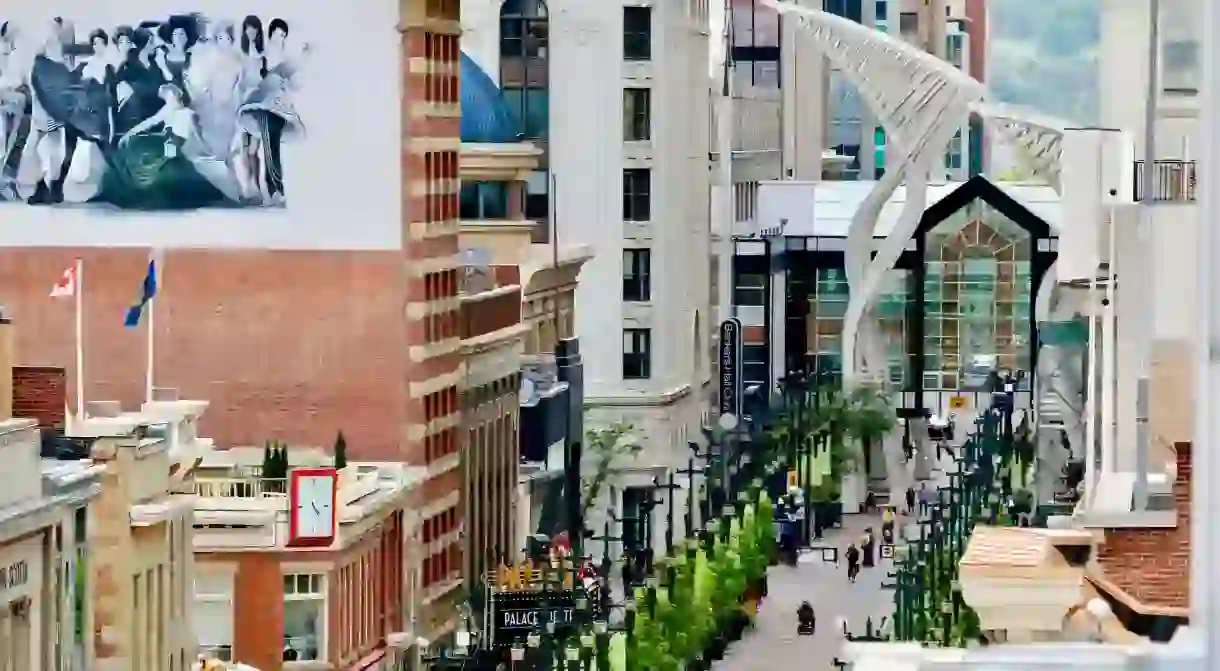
(1043, 54)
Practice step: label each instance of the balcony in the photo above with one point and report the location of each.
(1173, 181)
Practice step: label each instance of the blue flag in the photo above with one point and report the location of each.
(147, 290)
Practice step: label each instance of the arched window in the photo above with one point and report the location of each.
(525, 64)
(525, 82)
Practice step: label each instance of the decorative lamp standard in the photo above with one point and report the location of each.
(669, 488)
(690, 472)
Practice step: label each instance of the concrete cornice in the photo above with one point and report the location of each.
(637, 400)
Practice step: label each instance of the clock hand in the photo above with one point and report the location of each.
(315, 508)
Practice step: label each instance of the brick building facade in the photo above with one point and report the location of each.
(1148, 570)
(358, 589)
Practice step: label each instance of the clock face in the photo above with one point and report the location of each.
(315, 512)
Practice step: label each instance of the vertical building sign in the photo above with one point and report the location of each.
(730, 367)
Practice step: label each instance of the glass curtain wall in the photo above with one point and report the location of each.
(977, 294)
(828, 305)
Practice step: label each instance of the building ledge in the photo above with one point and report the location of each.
(1129, 519)
(150, 514)
(639, 399)
(1120, 595)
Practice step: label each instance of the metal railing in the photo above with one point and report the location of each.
(241, 488)
(1173, 181)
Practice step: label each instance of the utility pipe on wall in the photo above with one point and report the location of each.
(1143, 435)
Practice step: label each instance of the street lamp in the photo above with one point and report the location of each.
(669, 488)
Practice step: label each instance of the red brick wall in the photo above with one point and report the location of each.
(286, 345)
(39, 393)
(1153, 565)
(258, 610)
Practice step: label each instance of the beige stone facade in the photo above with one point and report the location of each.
(141, 562)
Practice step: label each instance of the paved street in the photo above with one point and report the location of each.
(774, 644)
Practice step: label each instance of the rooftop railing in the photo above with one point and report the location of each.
(241, 488)
(1173, 181)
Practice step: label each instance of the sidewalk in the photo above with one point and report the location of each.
(774, 644)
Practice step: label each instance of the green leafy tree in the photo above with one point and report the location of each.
(268, 469)
(606, 447)
(340, 451)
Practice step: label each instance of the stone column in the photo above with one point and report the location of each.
(516, 201)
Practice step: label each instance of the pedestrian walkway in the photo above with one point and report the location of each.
(774, 643)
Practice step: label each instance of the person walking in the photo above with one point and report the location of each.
(868, 549)
(910, 501)
(925, 499)
(853, 562)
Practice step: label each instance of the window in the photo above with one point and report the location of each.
(637, 33)
(635, 503)
(532, 107)
(750, 289)
(637, 118)
(637, 199)
(637, 354)
(525, 64)
(908, 23)
(304, 601)
(212, 612)
(1180, 72)
(484, 200)
(637, 275)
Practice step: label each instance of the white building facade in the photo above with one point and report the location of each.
(618, 94)
(45, 611)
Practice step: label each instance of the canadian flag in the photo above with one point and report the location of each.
(66, 286)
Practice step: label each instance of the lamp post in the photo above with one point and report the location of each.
(669, 488)
(690, 472)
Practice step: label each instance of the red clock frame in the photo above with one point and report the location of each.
(294, 484)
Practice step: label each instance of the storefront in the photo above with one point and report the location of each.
(20, 586)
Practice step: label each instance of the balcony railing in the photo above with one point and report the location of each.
(241, 488)
(1173, 181)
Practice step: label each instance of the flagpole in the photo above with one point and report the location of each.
(80, 339)
(152, 302)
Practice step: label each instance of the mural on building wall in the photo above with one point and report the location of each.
(178, 112)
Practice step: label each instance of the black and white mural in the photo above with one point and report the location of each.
(178, 112)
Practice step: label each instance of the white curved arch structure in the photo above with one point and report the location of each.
(920, 101)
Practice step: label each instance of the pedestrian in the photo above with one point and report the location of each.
(910, 501)
(870, 503)
(925, 498)
(868, 549)
(853, 562)
(626, 572)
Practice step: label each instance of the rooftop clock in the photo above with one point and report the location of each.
(312, 499)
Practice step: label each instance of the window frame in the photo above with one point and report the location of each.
(637, 275)
(526, 95)
(637, 354)
(637, 124)
(637, 35)
(635, 199)
(317, 594)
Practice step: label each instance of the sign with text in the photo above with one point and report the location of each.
(533, 619)
(517, 614)
(730, 367)
(14, 575)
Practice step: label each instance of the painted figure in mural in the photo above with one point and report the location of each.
(14, 110)
(268, 115)
(162, 163)
(180, 113)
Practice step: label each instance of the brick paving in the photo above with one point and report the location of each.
(774, 644)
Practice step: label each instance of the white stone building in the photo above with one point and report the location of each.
(618, 95)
